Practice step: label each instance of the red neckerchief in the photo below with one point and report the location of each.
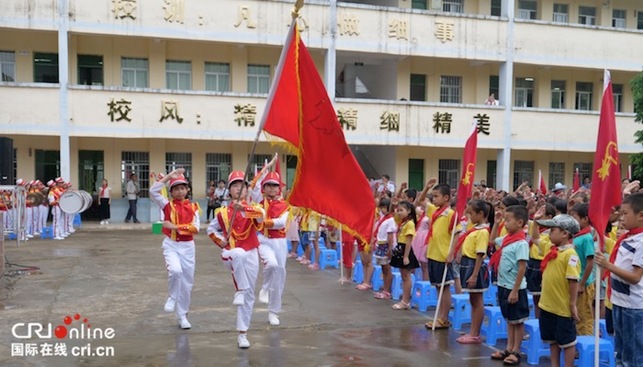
(508, 240)
(630, 233)
(102, 190)
(583, 231)
(379, 223)
(434, 217)
(466, 234)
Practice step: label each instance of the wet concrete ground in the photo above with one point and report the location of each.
(116, 278)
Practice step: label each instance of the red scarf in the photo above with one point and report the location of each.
(379, 223)
(583, 231)
(508, 240)
(436, 214)
(630, 233)
(102, 191)
(464, 236)
(551, 255)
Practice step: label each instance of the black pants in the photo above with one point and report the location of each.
(131, 213)
(104, 208)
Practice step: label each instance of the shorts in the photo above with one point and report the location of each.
(436, 271)
(397, 258)
(312, 235)
(515, 313)
(381, 254)
(534, 277)
(455, 269)
(557, 329)
(467, 265)
(304, 240)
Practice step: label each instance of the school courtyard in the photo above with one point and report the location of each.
(115, 278)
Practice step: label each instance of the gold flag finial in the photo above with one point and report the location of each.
(295, 11)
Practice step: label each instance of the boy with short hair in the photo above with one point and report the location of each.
(584, 243)
(510, 261)
(560, 275)
(626, 268)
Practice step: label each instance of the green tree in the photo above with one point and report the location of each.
(637, 93)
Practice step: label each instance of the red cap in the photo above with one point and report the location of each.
(50, 183)
(21, 182)
(60, 180)
(236, 176)
(271, 178)
(178, 181)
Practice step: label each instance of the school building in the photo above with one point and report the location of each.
(99, 89)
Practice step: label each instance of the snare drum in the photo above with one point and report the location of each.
(72, 202)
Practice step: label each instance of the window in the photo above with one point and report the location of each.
(217, 77)
(618, 18)
(47, 163)
(178, 75)
(561, 13)
(523, 172)
(639, 19)
(217, 167)
(527, 9)
(449, 172)
(492, 169)
(556, 173)
(494, 86)
(258, 161)
(45, 68)
(8, 66)
(524, 92)
(584, 96)
(179, 160)
(453, 6)
(418, 4)
(617, 92)
(258, 78)
(139, 164)
(134, 72)
(587, 15)
(496, 8)
(418, 87)
(450, 89)
(558, 95)
(90, 70)
(584, 170)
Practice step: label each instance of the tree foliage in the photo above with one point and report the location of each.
(637, 93)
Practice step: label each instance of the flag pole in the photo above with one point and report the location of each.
(597, 303)
(273, 89)
(444, 274)
(341, 256)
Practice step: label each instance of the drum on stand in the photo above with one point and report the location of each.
(72, 202)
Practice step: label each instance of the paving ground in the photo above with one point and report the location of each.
(115, 277)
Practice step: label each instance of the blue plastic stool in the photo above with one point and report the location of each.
(12, 236)
(496, 326)
(585, 348)
(534, 348)
(328, 258)
(77, 220)
(378, 279)
(490, 296)
(322, 242)
(47, 232)
(358, 272)
(423, 295)
(461, 313)
(603, 330)
(396, 286)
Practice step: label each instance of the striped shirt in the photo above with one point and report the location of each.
(630, 254)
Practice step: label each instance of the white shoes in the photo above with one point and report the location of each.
(58, 238)
(273, 318)
(169, 304)
(239, 298)
(102, 222)
(242, 341)
(184, 323)
(29, 236)
(264, 296)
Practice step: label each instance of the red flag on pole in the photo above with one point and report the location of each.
(606, 178)
(541, 183)
(576, 184)
(328, 179)
(468, 173)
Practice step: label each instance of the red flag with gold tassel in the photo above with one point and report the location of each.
(465, 187)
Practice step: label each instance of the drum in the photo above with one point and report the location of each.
(72, 202)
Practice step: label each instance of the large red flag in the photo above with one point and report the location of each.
(468, 173)
(576, 183)
(606, 178)
(541, 183)
(328, 179)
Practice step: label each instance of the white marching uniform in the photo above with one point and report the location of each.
(179, 256)
(274, 252)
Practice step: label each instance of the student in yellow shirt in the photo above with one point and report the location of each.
(402, 256)
(539, 245)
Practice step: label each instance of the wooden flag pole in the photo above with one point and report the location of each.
(444, 273)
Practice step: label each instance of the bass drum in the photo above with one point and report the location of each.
(72, 202)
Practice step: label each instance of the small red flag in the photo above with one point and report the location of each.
(606, 178)
(468, 173)
(541, 183)
(576, 184)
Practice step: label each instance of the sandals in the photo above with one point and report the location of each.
(468, 339)
(500, 356)
(402, 306)
(439, 324)
(383, 295)
(364, 287)
(512, 362)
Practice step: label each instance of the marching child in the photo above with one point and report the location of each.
(510, 261)
(560, 274)
(474, 273)
(402, 256)
(180, 225)
(383, 239)
(584, 243)
(625, 266)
